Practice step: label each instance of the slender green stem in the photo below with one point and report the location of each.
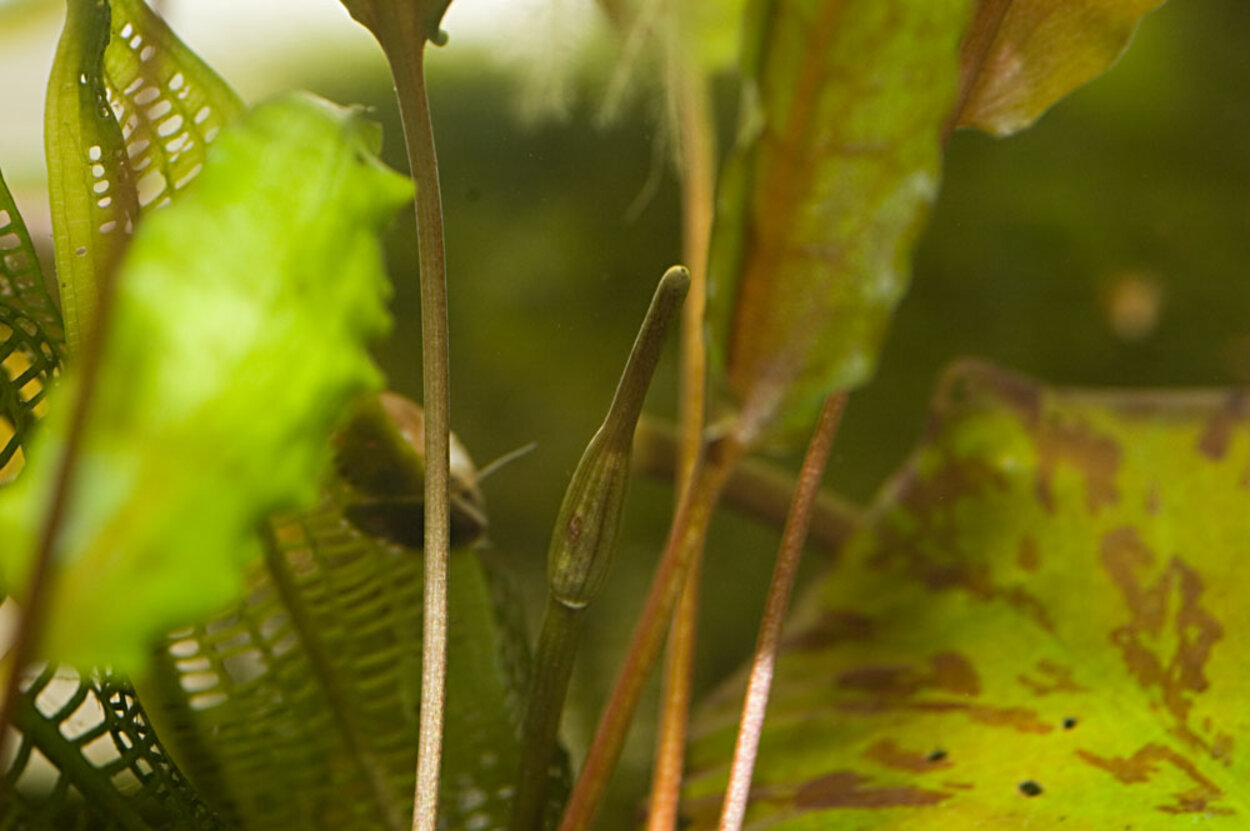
(553, 666)
(756, 703)
(404, 40)
(583, 543)
(685, 539)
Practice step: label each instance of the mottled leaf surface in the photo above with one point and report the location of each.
(241, 319)
(1040, 628)
(818, 212)
(1021, 56)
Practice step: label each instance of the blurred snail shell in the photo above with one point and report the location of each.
(379, 456)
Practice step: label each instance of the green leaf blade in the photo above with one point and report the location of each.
(1038, 628)
(241, 317)
(829, 188)
(1022, 56)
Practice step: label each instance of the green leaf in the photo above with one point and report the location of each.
(833, 177)
(130, 113)
(30, 330)
(238, 339)
(298, 707)
(91, 189)
(1038, 629)
(1021, 56)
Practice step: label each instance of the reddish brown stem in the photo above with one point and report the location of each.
(756, 703)
(698, 153)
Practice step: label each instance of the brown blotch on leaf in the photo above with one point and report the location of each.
(1172, 605)
(887, 752)
(1143, 764)
(845, 789)
(1215, 439)
(1029, 555)
(1072, 442)
(955, 673)
(832, 628)
(947, 671)
(1055, 679)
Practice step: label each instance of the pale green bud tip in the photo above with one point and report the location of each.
(584, 539)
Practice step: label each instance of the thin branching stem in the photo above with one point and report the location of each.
(685, 539)
(760, 683)
(697, 144)
(404, 44)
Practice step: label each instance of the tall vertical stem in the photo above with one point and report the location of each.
(404, 44)
(792, 539)
(696, 134)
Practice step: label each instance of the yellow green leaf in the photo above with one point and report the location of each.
(835, 170)
(1039, 628)
(239, 335)
(1021, 56)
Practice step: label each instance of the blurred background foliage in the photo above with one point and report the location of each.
(1107, 246)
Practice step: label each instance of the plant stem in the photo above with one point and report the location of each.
(557, 648)
(34, 609)
(697, 137)
(404, 41)
(756, 703)
(755, 488)
(685, 539)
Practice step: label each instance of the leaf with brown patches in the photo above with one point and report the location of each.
(1021, 56)
(1046, 606)
(836, 166)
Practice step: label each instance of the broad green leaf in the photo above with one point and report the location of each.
(130, 113)
(30, 330)
(298, 707)
(1039, 628)
(237, 341)
(1021, 56)
(834, 174)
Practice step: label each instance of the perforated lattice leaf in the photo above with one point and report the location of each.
(86, 758)
(298, 708)
(129, 116)
(1041, 626)
(30, 328)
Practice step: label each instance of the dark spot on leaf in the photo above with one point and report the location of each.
(887, 752)
(1030, 788)
(845, 789)
(1069, 723)
(1143, 764)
